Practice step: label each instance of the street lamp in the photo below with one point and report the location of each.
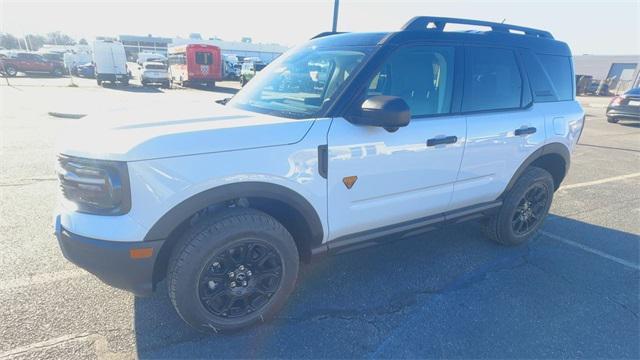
(336, 5)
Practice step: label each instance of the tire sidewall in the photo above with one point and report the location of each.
(11, 71)
(210, 242)
(532, 177)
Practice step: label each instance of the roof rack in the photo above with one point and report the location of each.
(432, 23)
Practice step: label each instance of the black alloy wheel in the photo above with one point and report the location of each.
(231, 270)
(530, 210)
(240, 280)
(524, 208)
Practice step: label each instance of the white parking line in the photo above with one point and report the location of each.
(591, 250)
(43, 345)
(42, 279)
(601, 181)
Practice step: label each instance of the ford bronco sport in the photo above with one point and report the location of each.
(347, 139)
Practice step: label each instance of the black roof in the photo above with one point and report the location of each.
(538, 41)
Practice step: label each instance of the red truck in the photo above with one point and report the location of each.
(195, 64)
(30, 63)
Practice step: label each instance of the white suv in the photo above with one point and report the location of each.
(403, 132)
(154, 73)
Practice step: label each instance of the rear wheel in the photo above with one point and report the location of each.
(612, 120)
(11, 70)
(232, 270)
(524, 208)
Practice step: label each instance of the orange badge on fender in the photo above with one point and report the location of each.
(349, 181)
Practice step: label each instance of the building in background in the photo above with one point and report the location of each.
(134, 44)
(242, 49)
(619, 72)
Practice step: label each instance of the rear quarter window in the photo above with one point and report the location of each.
(551, 76)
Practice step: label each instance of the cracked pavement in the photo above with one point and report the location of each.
(448, 293)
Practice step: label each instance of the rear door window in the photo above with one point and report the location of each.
(492, 80)
(421, 75)
(204, 58)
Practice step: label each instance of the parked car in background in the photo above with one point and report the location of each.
(73, 60)
(195, 64)
(144, 57)
(154, 73)
(110, 61)
(30, 63)
(87, 70)
(249, 70)
(394, 134)
(625, 106)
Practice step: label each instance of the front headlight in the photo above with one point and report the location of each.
(95, 186)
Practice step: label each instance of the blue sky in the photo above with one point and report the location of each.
(590, 27)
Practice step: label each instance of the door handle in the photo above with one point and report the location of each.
(525, 131)
(442, 140)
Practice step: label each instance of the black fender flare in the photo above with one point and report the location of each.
(552, 148)
(164, 226)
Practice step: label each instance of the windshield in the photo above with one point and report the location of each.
(300, 83)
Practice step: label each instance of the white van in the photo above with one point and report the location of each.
(111, 61)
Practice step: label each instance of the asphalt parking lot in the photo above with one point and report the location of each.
(573, 292)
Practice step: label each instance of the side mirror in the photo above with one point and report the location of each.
(389, 112)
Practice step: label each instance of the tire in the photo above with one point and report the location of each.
(56, 72)
(523, 210)
(211, 85)
(612, 120)
(201, 265)
(11, 70)
(242, 82)
(125, 82)
(99, 82)
(166, 85)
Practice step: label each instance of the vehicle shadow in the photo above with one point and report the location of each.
(217, 89)
(38, 75)
(347, 305)
(132, 88)
(630, 123)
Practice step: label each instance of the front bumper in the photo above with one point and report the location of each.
(111, 261)
(112, 77)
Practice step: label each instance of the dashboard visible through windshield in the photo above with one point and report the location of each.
(300, 83)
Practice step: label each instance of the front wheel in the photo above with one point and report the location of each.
(612, 120)
(11, 70)
(524, 208)
(232, 270)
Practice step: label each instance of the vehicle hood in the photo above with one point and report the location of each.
(150, 133)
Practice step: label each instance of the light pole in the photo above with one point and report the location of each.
(336, 5)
